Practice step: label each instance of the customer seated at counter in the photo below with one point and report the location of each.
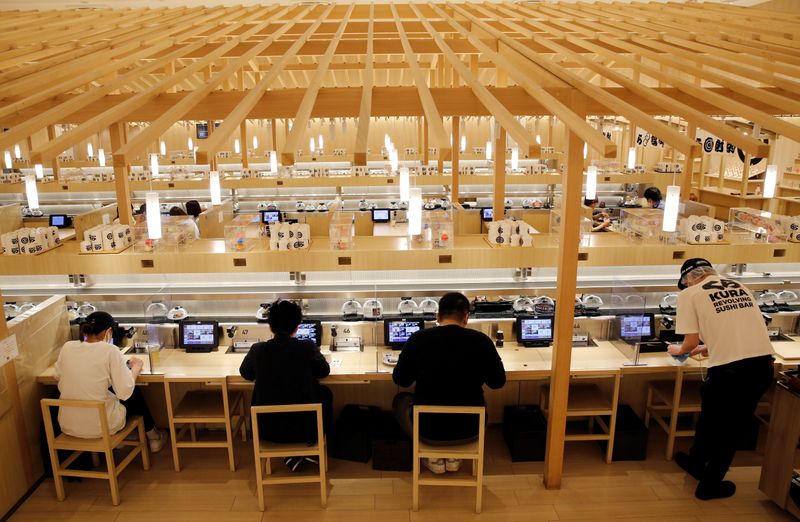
(286, 370)
(600, 218)
(93, 369)
(450, 364)
(653, 197)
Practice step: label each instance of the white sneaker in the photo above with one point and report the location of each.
(436, 466)
(452, 464)
(157, 440)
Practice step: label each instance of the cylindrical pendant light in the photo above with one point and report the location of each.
(39, 171)
(632, 158)
(214, 188)
(17, 152)
(190, 144)
(591, 182)
(488, 151)
(387, 142)
(153, 215)
(585, 150)
(405, 184)
(162, 148)
(273, 161)
(538, 140)
(415, 212)
(671, 208)
(311, 145)
(255, 143)
(101, 157)
(515, 158)
(237, 147)
(154, 165)
(31, 191)
(320, 143)
(770, 180)
(89, 150)
(463, 143)
(7, 158)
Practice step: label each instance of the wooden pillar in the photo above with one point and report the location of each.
(456, 155)
(721, 179)
(274, 127)
(440, 160)
(688, 164)
(243, 145)
(10, 374)
(571, 216)
(51, 135)
(121, 171)
(745, 175)
(500, 175)
(425, 147)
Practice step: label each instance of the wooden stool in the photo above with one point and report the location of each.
(204, 406)
(587, 400)
(265, 450)
(105, 444)
(673, 398)
(470, 451)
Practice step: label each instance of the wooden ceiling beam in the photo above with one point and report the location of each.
(118, 113)
(365, 108)
(670, 105)
(233, 120)
(304, 111)
(507, 120)
(432, 117)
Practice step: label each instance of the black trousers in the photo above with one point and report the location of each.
(297, 426)
(728, 400)
(136, 405)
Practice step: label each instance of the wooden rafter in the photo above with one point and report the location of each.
(365, 110)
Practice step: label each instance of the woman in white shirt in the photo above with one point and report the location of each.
(95, 369)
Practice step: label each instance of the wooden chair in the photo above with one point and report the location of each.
(589, 401)
(670, 399)
(105, 444)
(264, 451)
(470, 451)
(213, 405)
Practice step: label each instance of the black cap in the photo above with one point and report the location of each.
(100, 321)
(688, 266)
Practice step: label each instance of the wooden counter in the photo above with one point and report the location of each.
(388, 253)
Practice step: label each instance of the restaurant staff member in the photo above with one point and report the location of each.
(450, 364)
(724, 313)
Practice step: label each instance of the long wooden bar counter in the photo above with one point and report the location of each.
(388, 253)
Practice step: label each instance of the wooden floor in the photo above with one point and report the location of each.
(205, 490)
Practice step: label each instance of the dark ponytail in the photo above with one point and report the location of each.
(96, 323)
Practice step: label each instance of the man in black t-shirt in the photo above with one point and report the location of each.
(450, 364)
(286, 371)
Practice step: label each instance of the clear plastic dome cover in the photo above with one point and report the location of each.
(429, 306)
(352, 307)
(523, 304)
(407, 306)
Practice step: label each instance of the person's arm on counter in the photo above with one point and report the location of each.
(686, 323)
(248, 367)
(691, 345)
(495, 371)
(405, 373)
(321, 368)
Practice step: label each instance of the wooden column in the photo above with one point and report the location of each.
(440, 160)
(721, 179)
(51, 135)
(10, 374)
(425, 147)
(571, 184)
(688, 165)
(500, 176)
(121, 171)
(243, 145)
(274, 127)
(456, 155)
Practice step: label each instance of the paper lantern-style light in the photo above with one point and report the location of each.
(7, 158)
(273, 161)
(162, 148)
(214, 188)
(770, 180)
(39, 171)
(538, 140)
(154, 165)
(89, 150)
(190, 144)
(320, 143)
(415, 212)
(387, 142)
(515, 158)
(31, 192)
(255, 142)
(488, 151)
(585, 150)
(311, 145)
(405, 184)
(591, 182)
(237, 146)
(153, 215)
(18, 152)
(101, 157)
(463, 143)
(632, 158)
(671, 208)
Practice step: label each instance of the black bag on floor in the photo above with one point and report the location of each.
(391, 447)
(353, 431)
(525, 431)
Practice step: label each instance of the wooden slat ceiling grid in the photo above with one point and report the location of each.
(634, 61)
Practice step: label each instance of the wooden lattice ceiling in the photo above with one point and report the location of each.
(97, 68)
